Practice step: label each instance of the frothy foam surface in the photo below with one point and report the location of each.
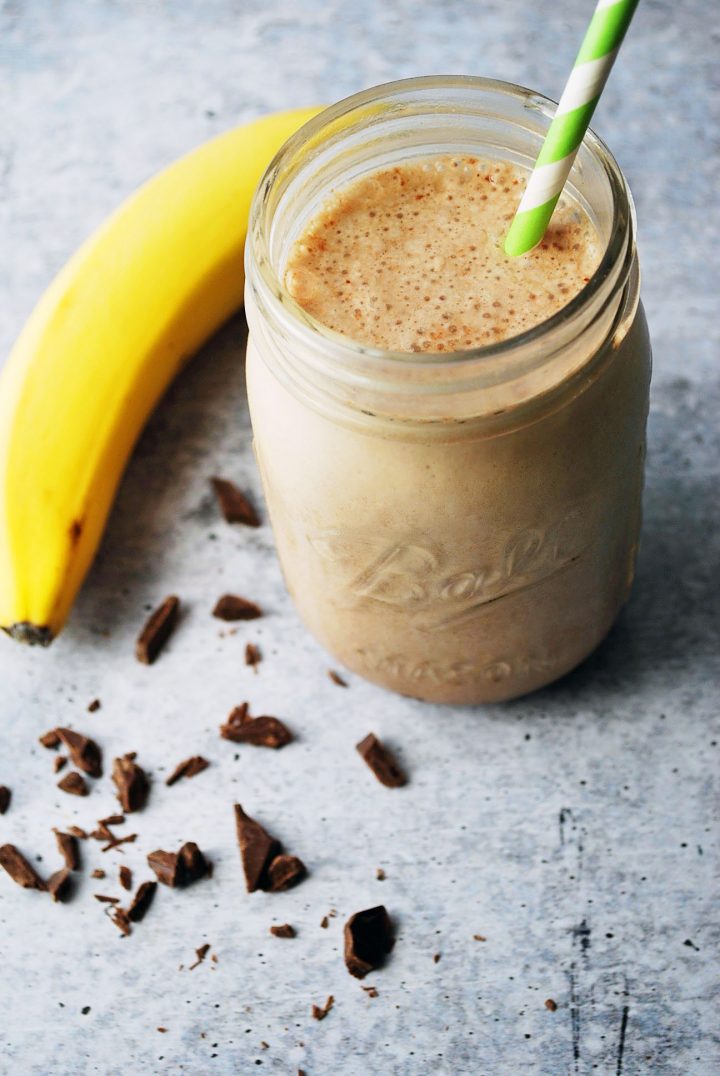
(410, 258)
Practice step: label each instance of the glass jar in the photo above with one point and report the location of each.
(458, 528)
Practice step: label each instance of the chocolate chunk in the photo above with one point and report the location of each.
(98, 873)
(337, 678)
(21, 872)
(165, 865)
(121, 920)
(324, 922)
(179, 868)
(69, 849)
(261, 731)
(234, 505)
(112, 820)
(201, 952)
(141, 902)
(380, 874)
(257, 850)
(158, 629)
(50, 739)
(59, 763)
(77, 832)
(368, 938)
(125, 877)
(284, 930)
(131, 783)
(94, 706)
(284, 872)
(59, 885)
(189, 768)
(5, 797)
(232, 607)
(551, 1005)
(74, 783)
(106, 900)
(84, 752)
(381, 762)
(320, 1012)
(253, 657)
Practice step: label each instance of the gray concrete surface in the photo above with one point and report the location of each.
(575, 830)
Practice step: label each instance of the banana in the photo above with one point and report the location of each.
(102, 344)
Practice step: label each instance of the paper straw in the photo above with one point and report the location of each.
(572, 119)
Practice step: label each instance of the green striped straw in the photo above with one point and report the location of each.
(572, 119)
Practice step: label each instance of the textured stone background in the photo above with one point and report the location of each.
(574, 829)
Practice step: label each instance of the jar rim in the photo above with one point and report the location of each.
(620, 240)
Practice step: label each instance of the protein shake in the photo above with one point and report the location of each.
(460, 528)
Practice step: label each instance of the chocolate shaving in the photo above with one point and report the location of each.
(125, 877)
(84, 752)
(112, 820)
(157, 630)
(257, 850)
(5, 797)
(94, 706)
(283, 930)
(320, 1012)
(131, 783)
(189, 768)
(232, 607)
(253, 656)
(106, 900)
(261, 731)
(21, 872)
(200, 953)
(368, 939)
(77, 832)
(69, 849)
(141, 902)
(115, 842)
(179, 868)
(120, 918)
(50, 739)
(74, 783)
(381, 761)
(59, 763)
(284, 872)
(98, 873)
(234, 505)
(337, 678)
(59, 885)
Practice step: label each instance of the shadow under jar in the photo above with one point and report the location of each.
(456, 527)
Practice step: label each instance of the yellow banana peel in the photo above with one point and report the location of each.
(103, 343)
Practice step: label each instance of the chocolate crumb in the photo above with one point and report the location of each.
(320, 1012)
(84, 752)
(381, 761)
(59, 885)
(112, 820)
(380, 874)
(368, 939)
(189, 768)
(21, 872)
(5, 797)
(106, 900)
(162, 1030)
(157, 630)
(551, 1005)
(257, 850)
(337, 678)
(77, 832)
(234, 505)
(261, 731)
(253, 656)
(141, 902)
(59, 763)
(232, 607)
(69, 849)
(125, 877)
(324, 922)
(200, 953)
(131, 783)
(479, 937)
(94, 706)
(73, 783)
(285, 871)
(284, 930)
(50, 739)
(436, 958)
(98, 873)
(120, 918)
(371, 991)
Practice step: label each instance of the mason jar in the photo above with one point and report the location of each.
(456, 527)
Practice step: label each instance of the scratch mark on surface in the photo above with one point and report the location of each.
(582, 934)
(621, 1041)
(574, 1020)
(564, 816)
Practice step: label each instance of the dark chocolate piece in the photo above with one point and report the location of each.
(232, 607)
(283, 930)
(59, 885)
(158, 629)
(257, 850)
(121, 920)
(381, 761)
(201, 952)
(5, 797)
(320, 1012)
(337, 678)
(234, 505)
(21, 872)
(125, 877)
(165, 866)
(84, 752)
(179, 868)
(189, 768)
(50, 739)
(284, 872)
(131, 783)
(368, 939)
(253, 656)
(112, 820)
(94, 706)
(324, 922)
(436, 958)
(141, 902)
(69, 849)
(74, 783)
(106, 900)
(261, 731)
(59, 763)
